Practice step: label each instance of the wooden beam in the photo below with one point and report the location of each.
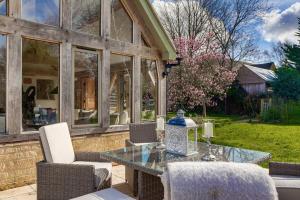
(105, 18)
(162, 89)
(105, 93)
(66, 14)
(55, 34)
(105, 72)
(14, 84)
(136, 83)
(136, 90)
(14, 8)
(66, 78)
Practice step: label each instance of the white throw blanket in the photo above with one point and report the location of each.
(217, 181)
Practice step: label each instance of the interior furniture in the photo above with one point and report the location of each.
(66, 174)
(139, 134)
(287, 179)
(150, 162)
(106, 194)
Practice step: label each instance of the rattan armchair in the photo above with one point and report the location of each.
(65, 174)
(287, 179)
(139, 134)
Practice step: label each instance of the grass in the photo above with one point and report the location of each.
(281, 140)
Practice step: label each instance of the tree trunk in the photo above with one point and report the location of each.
(225, 105)
(204, 110)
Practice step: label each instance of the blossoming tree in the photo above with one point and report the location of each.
(203, 75)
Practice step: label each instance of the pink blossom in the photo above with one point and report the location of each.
(203, 74)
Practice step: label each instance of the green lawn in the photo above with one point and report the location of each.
(281, 140)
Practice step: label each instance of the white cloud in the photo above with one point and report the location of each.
(281, 26)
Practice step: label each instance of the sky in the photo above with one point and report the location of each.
(279, 24)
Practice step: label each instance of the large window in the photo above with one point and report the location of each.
(86, 64)
(40, 70)
(2, 83)
(3, 7)
(120, 89)
(121, 23)
(86, 16)
(149, 87)
(41, 11)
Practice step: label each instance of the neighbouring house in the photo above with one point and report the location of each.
(269, 66)
(256, 78)
(95, 64)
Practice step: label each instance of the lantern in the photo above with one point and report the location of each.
(177, 135)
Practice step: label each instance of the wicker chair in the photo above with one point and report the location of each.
(139, 134)
(287, 179)
(65, 174)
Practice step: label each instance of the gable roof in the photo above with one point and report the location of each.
(163, 40)
(264, 65)
(265, 74)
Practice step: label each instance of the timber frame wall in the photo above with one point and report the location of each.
(16, 28)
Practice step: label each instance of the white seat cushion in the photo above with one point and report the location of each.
(288, 187)
(107, 194)
(57, 143)
(102, 170)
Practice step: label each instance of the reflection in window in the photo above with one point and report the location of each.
(2, 83)
(40, 71)
(86, 16)
(149, 87)
(86, 87)
(3, 7)
(121, 23)
(120, 89)
(41, 11)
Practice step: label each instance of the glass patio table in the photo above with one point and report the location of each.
(150, 162)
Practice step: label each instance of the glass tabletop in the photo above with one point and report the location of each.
(150, 159)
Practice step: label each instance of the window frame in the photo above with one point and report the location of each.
(157, 90)
(99, 53)
(59, 17)
(59, 80)
(133, 57)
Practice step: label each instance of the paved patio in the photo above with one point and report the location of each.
(29, 192)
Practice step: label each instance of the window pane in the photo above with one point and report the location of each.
(3, 7)
(149, 89)
(40, 69)
(120, 89)
(86, 87)
(41, 11)
(121, 23)
(86, 16)
(2, 83)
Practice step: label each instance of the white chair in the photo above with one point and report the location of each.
(107, 194)
(66, 174)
